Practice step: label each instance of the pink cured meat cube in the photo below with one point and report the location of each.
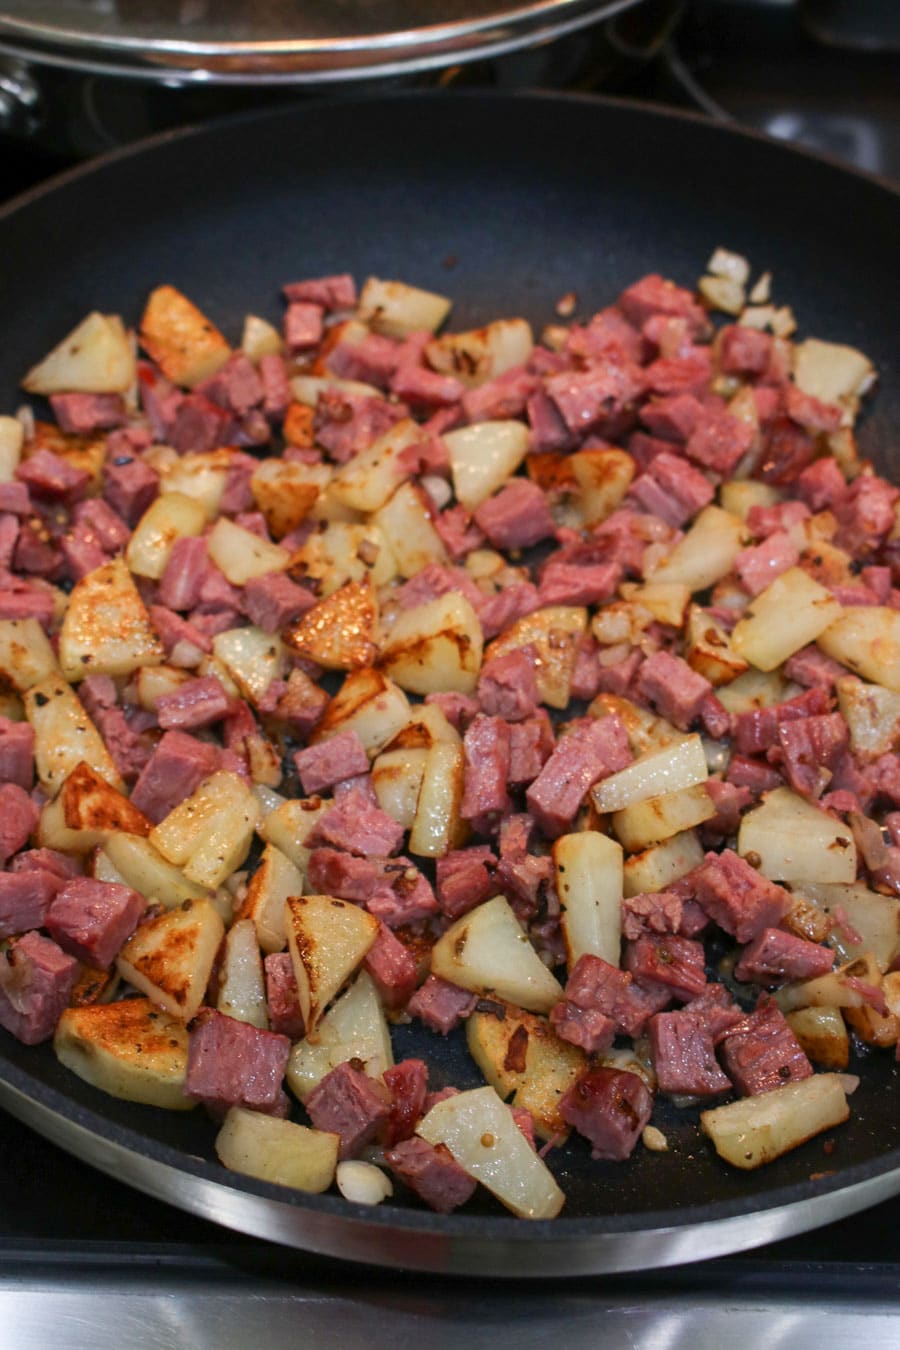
(517, 517)
(357, 826)
(775, 955)
(332, 292)
(463, 880)
(762, 1053)
(232, 1063)
(654, 294)
(302, 326)
(676, 962)
(440, 1004)
(673, 688)
(91, 919)
(758, 567)
(196, 703)
(486, 746)
(16, 753)
(321, 766)
(407, 1083)
(684, 1055)
(737, 897)
(285, 1016)
(25, 898)
(594, 983)
(507, 685)
(177, 766)
(610, 1108)
(393, 968)
(577, 762)
(36, 983)
(588, 1028)
(350, 1104)
(813, 748)
(655, 912)
(432, 1173)
(18, 817)
(273, 600)
(530, 746)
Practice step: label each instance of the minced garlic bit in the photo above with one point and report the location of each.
(654, 1140)
(565, 305)
(362, 1183)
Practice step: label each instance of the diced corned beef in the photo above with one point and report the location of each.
(530, 746)
(82, 552)
(276, 389)
(743, 351)
(425, 389)
(177, 766)
(36, 552)
(507, 685)
(432, 581)
(92, 919)
(789, 449)
(737, 897)
(719, 442)
(393, 967)
(130, 750)
(684, 1055)
(181, 583)
(716, 1010)
(9, 535)
(63, 865)
(651, 912)
(654, 294)
(183, 641)
(273, 600)
(676, 962)
(331, 292)
(672, 687)
(756, 730)
(762, 1053)
(25, 899)
(105, 524)
(302, 326)
(350, 1104)
(568, 584)
(285, 1016)
(672, 489)
(578, 761)
(321, 766)
(504, 396)
(715, 717)
(776, 955)
(588, 1028)
(440, 1004)
(26, 600)
(346, 423)
(407, 1083)
(463, 880)
(459, 709)
(15, 499)
(586, 399)
(235, 386)
(517, 516)
(585, 683)
(670, 337)
(548, 429)
(521, 878)
(594, 983)
(865, 513)
(757, 567)
(405, 897)
(16, 753)
(81, 414)
(672, 418)
(198, 425)
(232, 1063)
(49, 475)
(516, 835)
(610, 1108)
(298, 702)
(499, 611)
(432, 1173)
(18, 817)
(811, 413)
(196, 703)
(486, 746)
(357, 826)
(619, 676)
(812, 748)
(729, 800)
(458, 532)
(811, 667)
(644, 449)
(607, 328)
(373, 360)
(689, 373)
(36, 983)
(130, 486)
(765, 520)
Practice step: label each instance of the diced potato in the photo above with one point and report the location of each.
(367, 480)
(145, 870)
(723, 293)
(791, 612)
(307, 388)
(832, 372)
(240, 554)
(435, 647)
(756, 1130)
(130, 1049)
(284, 494)
(482, 354)
(170, 958)
(425, 726)
(278, 1150)
(556, 633)
(106, 629)
(289, 825)
(26, 656)
(341, 631)
(343, 551)
(647, 732)
(327, 939)
(260, 338)
(397, 309)
(151, 683)
(242, 985)
(873, 715)
(837, 989)
(867, 639)
(12, 436)
(670, 769)
(795, 841)
(182, 341)
(657, 867)
(479, 1130)
(406, 519)
(754, 689)
(521, 1057)
(738, 495)
(274, 880)
(822, 1035)
(64, 735)
(437, 826)
(707, 552)
(355, 1027)
(397, 780)
(209, 834)
(871, 1026)
(369, 704)
(201, 476)
(589, 882)
(252, 658)
(172, 516)
(96, 358)
(483, 457)
(708, 649)
(488, 952)
(875, 919)
(86, 812)
(659, 818)
(603, 478)
(665, 600)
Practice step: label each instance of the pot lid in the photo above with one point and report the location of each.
(273, 41)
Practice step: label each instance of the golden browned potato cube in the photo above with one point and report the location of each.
(183, 342)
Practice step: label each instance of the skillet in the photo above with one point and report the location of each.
(506, 203)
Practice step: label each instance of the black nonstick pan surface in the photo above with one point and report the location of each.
(506, 203)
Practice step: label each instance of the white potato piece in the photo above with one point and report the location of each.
(397, 309)
(875, 919)
(146, 871)
(867, 639)
(667, 770)
(201, 476)
(260, 338)
(521, 1057)
(344, 551)
(659, 818)
(274, 880)
(368, 703)
(183, 342)
(106, 629)
(240, 554)
(753, 689)
(795, 841)
(556, 632)
(822, 1034)
(756, 1130)
(289, 825)
(366, 481)
(589, 883)
(481, 1133)
(209, 833)
(406, 519)
(488, 952)
(435, 647)
(437, 826)
(603, 478)
(170, 958)
(708, 649)
(327, 939)
(793, 611)
(657, 867)
(26, 656)
(307, 388)
(873, 715)
(64, 735)
(738, 495)
(482, 354)
(425, 726)
(667, 601)
(86, 812)
(707, 552)
(354, 1027)
(278, 1150)
(252, 658)
(242, 985)
(647, 732)
(172, 516)
(832, 371)
(12, 438)
(397, 780)
(483, 456)
(96, 358)
(130, 1049)
(151, 683)
(341, 632)
(282, 490)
